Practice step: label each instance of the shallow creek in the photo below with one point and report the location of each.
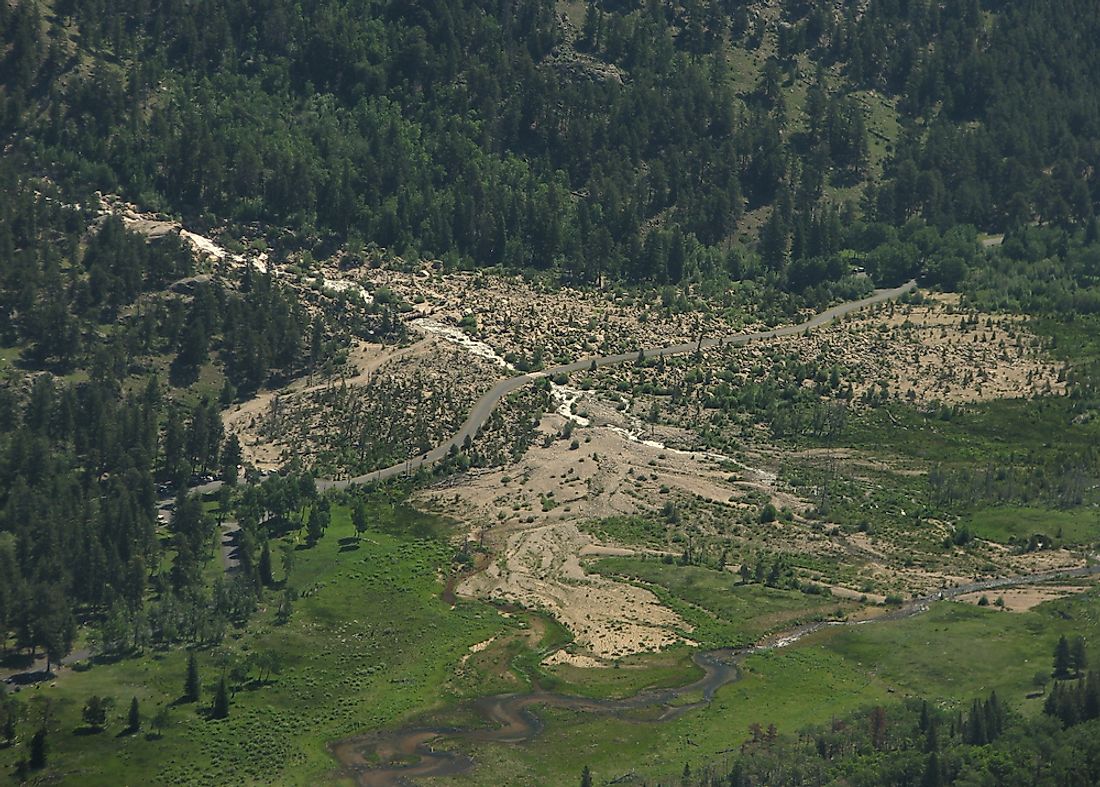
(394, 757)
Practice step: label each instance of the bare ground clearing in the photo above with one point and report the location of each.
(1022, 599)
(937, 350)
(528, 513)
(389, 402)
(623, 464)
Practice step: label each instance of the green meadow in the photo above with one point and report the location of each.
(1008, 524)
(369, 643)
(949, 655)
(722, 611)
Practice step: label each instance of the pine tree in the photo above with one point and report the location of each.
(931, 741)
(173, 441)
(9, 715)
(135, 715)
(590, 30)
(221, 700)
(315, 529)
(1092, 231)
(1053, 701)
(95, 711)
(586, 777)
(1091, 705)
(1062, 659)
(994, 717)
(161, 719)
(192, 688)
(56, 626)
(932, 776)
(1078, 657)
(975, 732)
(265, 566)
(878, 727)
(231, 457)
(359, 518)
(774, 242)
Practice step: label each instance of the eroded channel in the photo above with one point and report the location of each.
(387, 758)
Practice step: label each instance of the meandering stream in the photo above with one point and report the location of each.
(394, 757)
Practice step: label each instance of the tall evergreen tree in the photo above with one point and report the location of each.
(221, 700)
(933, 776)
(266, 576)
(1079, 656)
(586, 777)
(95, 711)
(1063, 659)
(192, 687)
(359, 518)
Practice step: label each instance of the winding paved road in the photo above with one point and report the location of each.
(484, 406)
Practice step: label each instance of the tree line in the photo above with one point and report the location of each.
(487, 134)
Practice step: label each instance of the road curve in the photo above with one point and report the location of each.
(484, 406)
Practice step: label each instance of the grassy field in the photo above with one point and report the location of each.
(1006, 524)
(956, 651)
(639, 530)
(369, 643)
(1005, 428)
(722, 611)
(629, 675)
(790, 688)
(949, 655)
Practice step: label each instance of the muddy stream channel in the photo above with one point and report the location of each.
(385, 758)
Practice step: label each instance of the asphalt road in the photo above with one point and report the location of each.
(484, 406)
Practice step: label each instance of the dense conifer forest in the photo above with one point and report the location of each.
(493, 134)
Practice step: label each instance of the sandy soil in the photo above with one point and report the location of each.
(933, 351)
(606, 475)
(529, 513)
(437, 381)
(541, 568)
(1023, 598)
(563, 656)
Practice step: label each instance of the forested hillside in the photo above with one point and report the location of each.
(627, 142)
(116, 364)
